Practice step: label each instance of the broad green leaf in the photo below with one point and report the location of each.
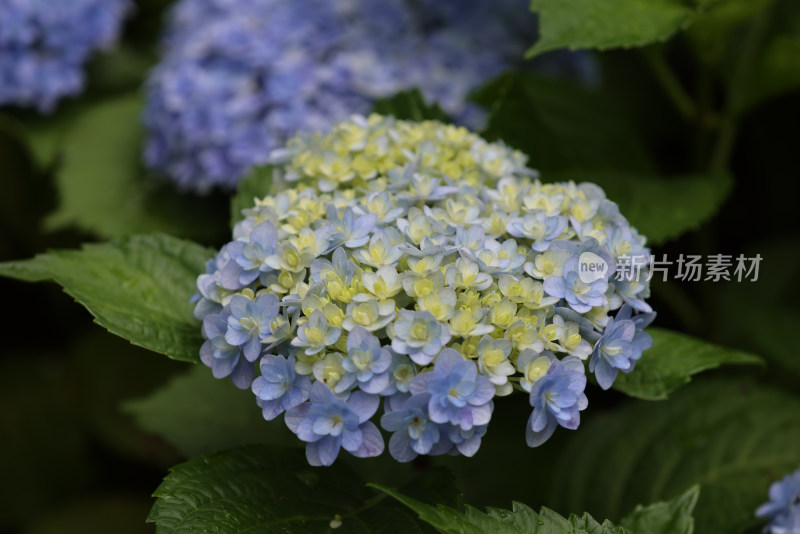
(672, 517)
(662, 209)
(671, 362)
(733, 438)
(577, 24)
(560, 125)
(103, 188)
(263, 489)
(256, 184)
(198, 414)
(520, 520)
(137, 287)
(410, 105)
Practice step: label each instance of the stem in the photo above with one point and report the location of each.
(654, 57)
(736, 96)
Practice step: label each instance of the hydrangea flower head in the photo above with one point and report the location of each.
(783, 508)
(44, 46)
(239, 78)
(386, 267)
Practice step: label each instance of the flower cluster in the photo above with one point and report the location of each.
(418, 263)
(44, 46)
(239, 78)
(783, 508)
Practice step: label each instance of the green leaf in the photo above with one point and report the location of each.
(673, 517)
(198, 414)
(520, 520)
(263, 489)
(137, 287)
(103, 188)
(733, 438)
(560, 125)
(257, 184)
(671, 362)
(662, 209)
(577, 24)
(410, 105)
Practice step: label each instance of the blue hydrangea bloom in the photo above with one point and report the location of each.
(459, 395)
(237, 79)
(557, 399)
(44, 46)
(437, 307)
(327, 424)
(621, 345)
(248, 324)
(413, 431)
(279, 387)
(224, 359)
(783, 508)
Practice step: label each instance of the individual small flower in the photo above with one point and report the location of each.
(249, 258)
(367, 362)
(581, 295)
(493, 362)
(466, 274)
(249, 322)
(783, 508)
(401, 373)
(620, 346)
(367, 312)
(419, 335)
(380, 252)
(547, 264)
(327, 424)
(348, 229)
(557, 399)
(224, 359)
(466, 442)
(413, 432)
(459, 395)
(495, 257)
(315, 334)
(44, 47)
(538, 227)
(279, 387)
(533, 366)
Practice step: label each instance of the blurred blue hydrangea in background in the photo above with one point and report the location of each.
(44, 45)
(237, 79)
